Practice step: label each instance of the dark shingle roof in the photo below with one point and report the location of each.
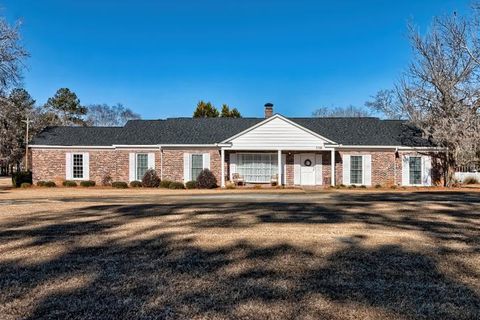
(78, 136)
(346, 131)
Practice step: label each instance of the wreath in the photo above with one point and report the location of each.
(307, 162)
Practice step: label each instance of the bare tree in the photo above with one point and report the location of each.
(105, 115)
(12, 55)
(339, 112)
(440, 90)
(14, 110)
(386, 103)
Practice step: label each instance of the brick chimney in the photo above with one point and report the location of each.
(268, 110)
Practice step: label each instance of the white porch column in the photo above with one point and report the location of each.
(333, 167)
(222, 164)
(279, 167)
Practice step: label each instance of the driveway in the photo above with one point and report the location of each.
(88, 254)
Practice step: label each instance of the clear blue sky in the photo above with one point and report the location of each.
(161, 57)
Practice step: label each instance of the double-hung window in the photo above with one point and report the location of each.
(77, 166)
(197, 165)
(141, 165)
(356, 170)
(415, 170)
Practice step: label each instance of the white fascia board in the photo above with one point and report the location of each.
(277, 116)
(386, 147)
(276, 149)
(189, 146)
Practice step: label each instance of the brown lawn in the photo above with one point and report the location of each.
(123, 254)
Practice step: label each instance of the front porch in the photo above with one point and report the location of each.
(304, 168)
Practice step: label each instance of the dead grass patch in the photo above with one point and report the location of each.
(320, 255)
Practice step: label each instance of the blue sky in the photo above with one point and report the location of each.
(161, 57)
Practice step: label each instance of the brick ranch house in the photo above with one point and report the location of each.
(310, 151)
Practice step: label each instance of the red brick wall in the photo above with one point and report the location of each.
(173, 163)
(49, 164)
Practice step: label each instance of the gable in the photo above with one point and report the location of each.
(277, 133)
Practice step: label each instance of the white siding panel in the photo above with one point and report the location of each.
(346, 169)
(186, 167)
(427, 171)
(86, 166)
(131, 166)
(151, 160)
(277, 133)
(206, 161)
(68, 166)
(367, 169)
(405, 171)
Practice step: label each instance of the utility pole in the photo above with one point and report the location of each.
(26, 142)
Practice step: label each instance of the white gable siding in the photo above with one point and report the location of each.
(277, 134)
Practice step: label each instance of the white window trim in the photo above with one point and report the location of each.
(191, 164)
(421, 171)
(72, 165)
(363, 170)
(135, 165)
(274, 155)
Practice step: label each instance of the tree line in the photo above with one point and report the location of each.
(17, 107)
(439, 91)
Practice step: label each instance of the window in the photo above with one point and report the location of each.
(356, 170)
(415, 167)
(257, 167)
(77, 169)
(197, 165)
(142, 165)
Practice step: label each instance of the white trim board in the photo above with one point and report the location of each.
(276, 116)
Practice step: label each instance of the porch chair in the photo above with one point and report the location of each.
(274, 180)
(237, 179)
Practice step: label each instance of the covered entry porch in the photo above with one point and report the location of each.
(281, 167)
(277, 147)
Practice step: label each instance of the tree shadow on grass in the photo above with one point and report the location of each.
(168, 276)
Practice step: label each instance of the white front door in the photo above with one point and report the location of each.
(307, 169)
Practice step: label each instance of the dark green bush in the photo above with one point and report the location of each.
(378, 186)
(20, 177)
(136, 184)
(120, 185)
(88, 183)
(176, 185)
(352, 186)
(69, 183)
(165, 183)
(191, 184)
(25, 185)
(342, 186)
(363, 186)
(50, 184)
(206, 180)
(150, 179)
(393, 187)
(41, 183)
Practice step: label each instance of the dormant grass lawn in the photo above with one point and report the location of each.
(93, 254)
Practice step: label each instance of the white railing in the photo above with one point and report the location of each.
(469, 171)
(469, 168)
